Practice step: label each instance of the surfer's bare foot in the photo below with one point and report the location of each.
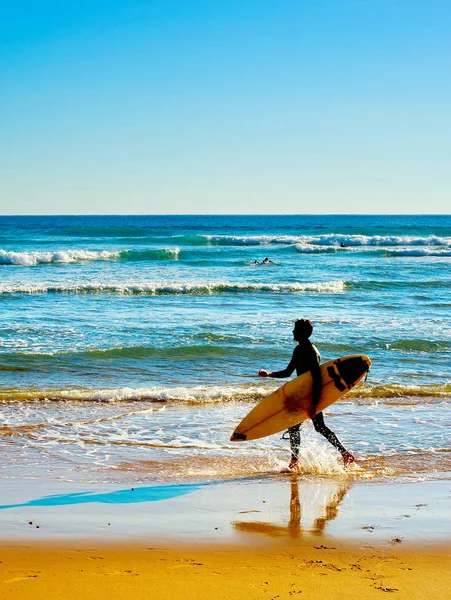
(348, 458)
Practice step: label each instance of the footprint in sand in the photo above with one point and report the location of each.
(115, 573)
(20, 578)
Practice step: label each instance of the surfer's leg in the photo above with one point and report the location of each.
(295, 442)
(320, 427)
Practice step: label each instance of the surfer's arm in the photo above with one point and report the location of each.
(316, 386)
(280, 374)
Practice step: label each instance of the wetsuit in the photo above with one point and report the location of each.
(307, 358)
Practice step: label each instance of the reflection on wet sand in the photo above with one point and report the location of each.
(321, 509)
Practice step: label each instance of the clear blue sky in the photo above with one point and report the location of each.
(246, 106)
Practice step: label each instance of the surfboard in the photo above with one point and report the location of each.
(288, 405)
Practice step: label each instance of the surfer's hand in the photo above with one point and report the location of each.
(263, 373)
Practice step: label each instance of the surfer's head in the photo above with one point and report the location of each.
(302, 329)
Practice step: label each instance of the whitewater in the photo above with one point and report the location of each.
(139, 338)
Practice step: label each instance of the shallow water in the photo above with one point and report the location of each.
(129, 345)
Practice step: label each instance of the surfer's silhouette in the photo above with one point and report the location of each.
(307, 358)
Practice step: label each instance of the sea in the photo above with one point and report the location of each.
(130, 345)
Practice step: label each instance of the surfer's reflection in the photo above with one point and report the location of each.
(318, 509)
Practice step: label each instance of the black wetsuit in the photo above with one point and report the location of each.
(307, 358)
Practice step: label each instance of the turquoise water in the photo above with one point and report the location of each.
(126, 339)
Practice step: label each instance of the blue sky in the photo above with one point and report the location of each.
(251, 106)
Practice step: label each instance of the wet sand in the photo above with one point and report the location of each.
(238, 512)
(271, 537)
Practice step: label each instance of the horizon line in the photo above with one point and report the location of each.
(119, 214)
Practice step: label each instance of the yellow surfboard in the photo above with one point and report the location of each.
(288, 405)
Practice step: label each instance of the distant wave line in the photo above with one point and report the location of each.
(416, 252)
(304, 241)
(376, 251)
(162, 288)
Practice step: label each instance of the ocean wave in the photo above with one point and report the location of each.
(311, 249)
(336, 240)
(395, 246)
(152, 254)
(420, 252)
(162, 288)
(413, 393)
(397, 285)
(356, 240)
(22, 361)
(32, 259)
(187, 395)
(376, 250)
(362, 394)
(418, 345)
(376, 344)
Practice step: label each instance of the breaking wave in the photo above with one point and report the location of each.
(162, 288)
(336, 240)
(393, 394)
(419, 252)
(32, 259)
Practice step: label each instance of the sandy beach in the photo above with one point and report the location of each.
(267, 537)
(190, 572)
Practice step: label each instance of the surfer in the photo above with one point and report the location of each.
(266, 261)
(306, 358)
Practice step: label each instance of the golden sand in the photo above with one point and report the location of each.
(270, 571)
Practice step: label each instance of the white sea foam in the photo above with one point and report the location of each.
(194, 394)
(331, 239)
(162, 288)
(252, 240)
(415, 251)
(312, 249)
(31, 259)
(420, 252)
(368, 395)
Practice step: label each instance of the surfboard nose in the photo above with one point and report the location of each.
(353, 367)
(238, 437)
